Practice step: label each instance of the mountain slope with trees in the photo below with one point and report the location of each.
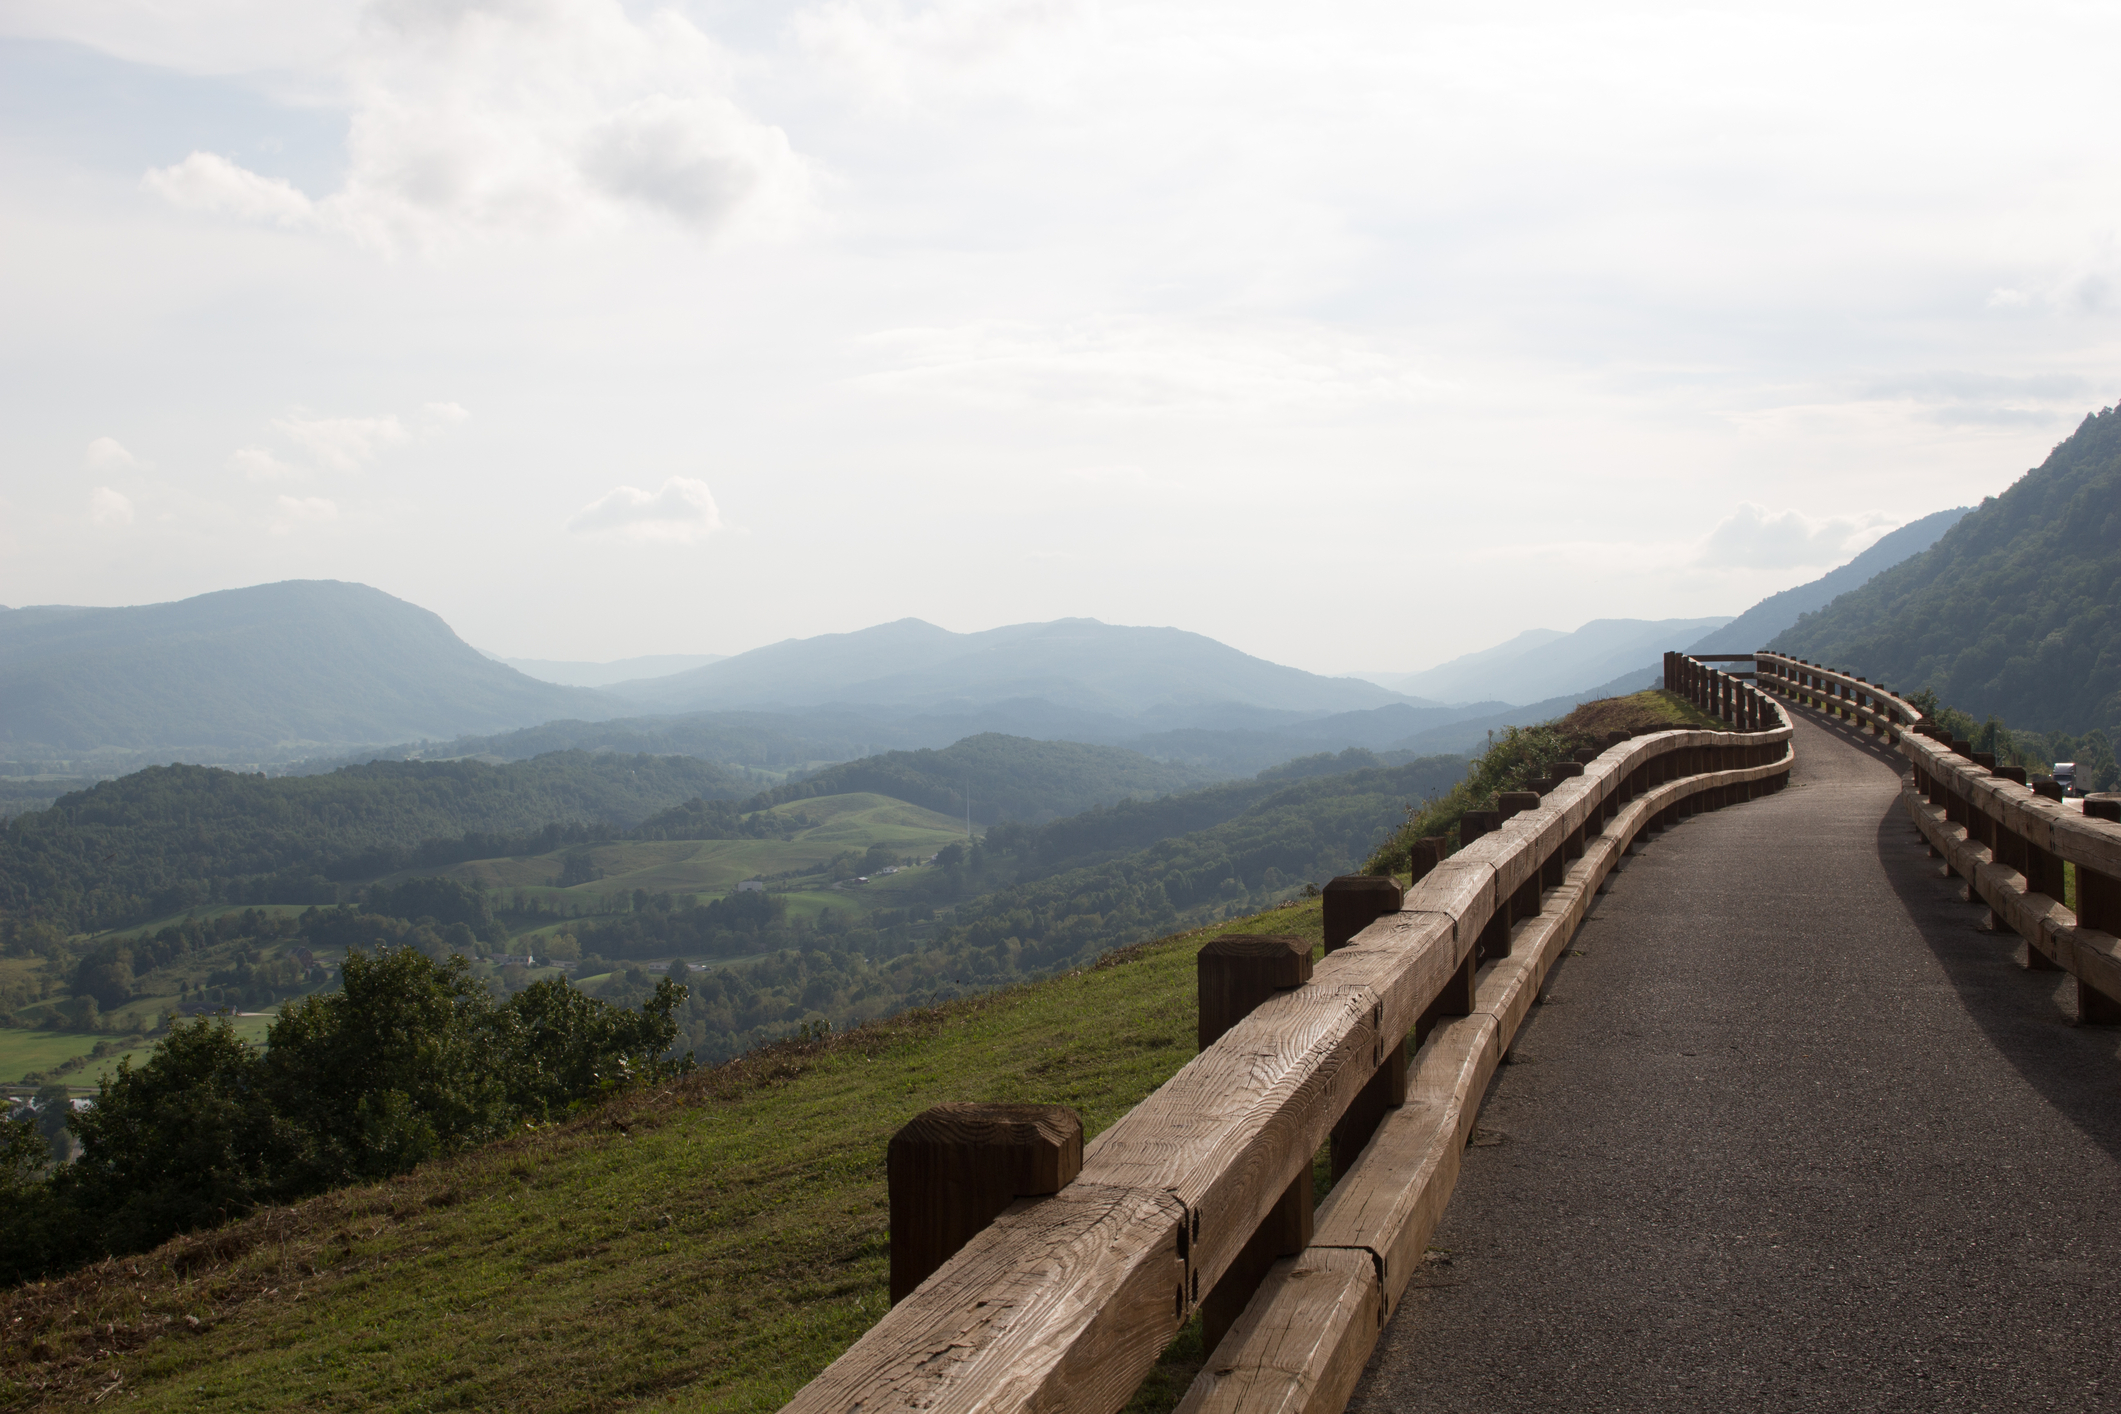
(265, 669)
(2015, 612)
(1777, 612)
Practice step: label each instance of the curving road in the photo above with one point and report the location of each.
(1789, 1132)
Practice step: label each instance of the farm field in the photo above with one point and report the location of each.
(22, 1052)
(824, 828)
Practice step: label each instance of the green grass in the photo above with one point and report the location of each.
(825, 827)
(710, 1246)
(22, 1052)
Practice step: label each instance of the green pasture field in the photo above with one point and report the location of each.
(825, 827)
(708, 1245)
(206, 913)
(24, 1051)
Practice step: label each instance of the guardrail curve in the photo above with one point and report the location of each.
(2008, 839)
(1065, 1302)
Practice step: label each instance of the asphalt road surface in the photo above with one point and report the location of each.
(1789, 1130)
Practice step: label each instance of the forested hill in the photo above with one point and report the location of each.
(167, 838)
(269, 669)
(1778, 611)
(1010, 778)
(2016, 612)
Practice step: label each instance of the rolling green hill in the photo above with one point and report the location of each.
(2015, 612)
(274, 669)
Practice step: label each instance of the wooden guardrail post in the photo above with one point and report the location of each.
(2098, 907)
(2043, 875)
(1234, 974)
(1352, 903)
(954, 1167)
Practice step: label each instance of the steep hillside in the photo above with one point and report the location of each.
(1753, 628)
(2015, 612)
(270, 669)
(1073, 664)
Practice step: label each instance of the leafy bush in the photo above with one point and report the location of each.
(412, 1059)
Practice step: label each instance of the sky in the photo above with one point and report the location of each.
(1356, 336)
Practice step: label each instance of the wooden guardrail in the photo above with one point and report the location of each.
(2008, 839)
(1064, 1302)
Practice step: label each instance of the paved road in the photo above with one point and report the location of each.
(1788, 1132)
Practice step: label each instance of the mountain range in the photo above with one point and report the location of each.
(1542, 663)
(2015, 611)
(1078, 665)
(330, 671)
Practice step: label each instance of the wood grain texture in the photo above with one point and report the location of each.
(1301, 1344)
(1060, 1304)
(1403, 961)
(1391, 1200)
(1228, 1133)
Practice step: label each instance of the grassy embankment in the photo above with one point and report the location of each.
(711, 1245)
(1522, 754)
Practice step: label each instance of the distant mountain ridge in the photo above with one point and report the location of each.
(1540, 664)
(577, 674)
(269, 667)
(2015, 611)
(1078, 665)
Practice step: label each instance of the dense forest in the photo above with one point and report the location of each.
(172, 837)
(2012, 613)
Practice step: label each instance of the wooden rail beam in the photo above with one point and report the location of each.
(1064, 1302)
(1303, 1341)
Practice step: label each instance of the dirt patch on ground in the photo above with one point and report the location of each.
(1650, 711)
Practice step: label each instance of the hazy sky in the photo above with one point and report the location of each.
(1355, 335)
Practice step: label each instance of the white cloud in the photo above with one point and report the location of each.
(681, 512)
(259, 465)
(108, 507)
(107, 454)
(206, 181)
(1752, 537)
(487, 116)
(445, 414)
(304, 510)
(342, 443)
